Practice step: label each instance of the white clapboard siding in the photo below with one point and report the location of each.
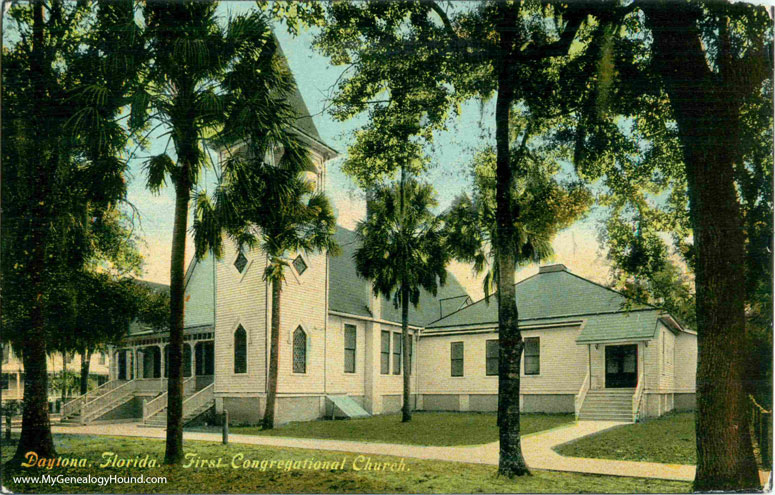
(685, 362)
(563, 363)
(303, 303)
(241, 300)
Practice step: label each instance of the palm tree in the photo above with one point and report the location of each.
(271, 206)
(205, 84)
(545, 207)
(402, 251)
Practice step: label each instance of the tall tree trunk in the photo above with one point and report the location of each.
(707, 113)
(174, 448)
(511, 461)
(64, 379)
(274, 356)
(406, 410)
(36, 426)
(85, 363)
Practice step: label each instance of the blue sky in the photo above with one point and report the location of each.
(576, 247)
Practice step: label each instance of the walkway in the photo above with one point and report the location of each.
(537, 448)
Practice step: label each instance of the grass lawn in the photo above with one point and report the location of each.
(426, 428)
(418, 476)
(669, 439)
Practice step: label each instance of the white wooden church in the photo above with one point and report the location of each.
(340, 349)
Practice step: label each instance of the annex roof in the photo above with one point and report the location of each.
(349, 293)
(555, 295)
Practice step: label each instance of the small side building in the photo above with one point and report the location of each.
(588, 350)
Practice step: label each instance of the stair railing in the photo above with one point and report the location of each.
(579, 399)
(637, 397)
(107, 401)
(199, 399)
(158, 403)
(72, 406)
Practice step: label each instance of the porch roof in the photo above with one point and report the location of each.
(611, 327)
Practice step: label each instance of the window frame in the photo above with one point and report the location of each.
(235, 357)
(453, 359)
(395, 360)
(384, 355)
(300, 258)
(352, 351)
(294, 342)
(488, 358)
(537, 355)
(244, 266)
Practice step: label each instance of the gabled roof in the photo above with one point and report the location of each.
(349, 293)
(549, 294)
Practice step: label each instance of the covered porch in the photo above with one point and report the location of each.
(146, 357)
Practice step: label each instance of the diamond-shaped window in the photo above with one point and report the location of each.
(299, 265)
(241, 262)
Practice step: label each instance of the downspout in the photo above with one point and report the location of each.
(215, 305)
(325, 334)
(266, 328)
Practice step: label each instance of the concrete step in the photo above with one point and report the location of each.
(606, 415)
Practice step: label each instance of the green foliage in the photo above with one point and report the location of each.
(546, 204)
(401, 241)
(65, 81)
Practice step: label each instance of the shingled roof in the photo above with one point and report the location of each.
(555, 295)
(349, 293)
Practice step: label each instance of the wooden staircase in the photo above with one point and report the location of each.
(193, 406)
(608, 405)
(90, 406)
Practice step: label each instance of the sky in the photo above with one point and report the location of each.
(576, 247)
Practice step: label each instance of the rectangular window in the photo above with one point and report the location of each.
(102, 358)
(532, 356)
(349, 348)
(384, 362)
(396, 353)
(456, 358)
(491, 366)
(5, 381)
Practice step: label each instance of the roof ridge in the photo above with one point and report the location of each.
(552, 317)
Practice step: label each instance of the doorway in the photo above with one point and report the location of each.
(621, 366)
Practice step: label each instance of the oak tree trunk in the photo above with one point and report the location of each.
(511, 461)
(36, 426)
(708, 117)
(406, 409)
(274, 356)
(174, 447)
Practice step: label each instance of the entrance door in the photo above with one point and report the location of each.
(621, 366)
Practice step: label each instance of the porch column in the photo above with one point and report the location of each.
(192, 346)
(19, 385)
(161, 367)
(135, 368)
